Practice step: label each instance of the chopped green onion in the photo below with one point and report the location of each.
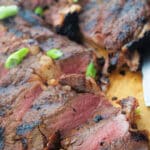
(138, 111)
(91, 71)
(38, 11)
(54, 53)
(8, 11)
(16, 58)
(75, 1)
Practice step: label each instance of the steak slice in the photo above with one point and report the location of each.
(75, 57)
(114, 26)
(17, 105)
(36, 120)
(73, 114)
(17, 99)
(33, 68)
(37, 66)
(51, 114)
(27, 25)
(113, 133)
(23, 124)
(33, 4)
(80, 83)
(8, 2)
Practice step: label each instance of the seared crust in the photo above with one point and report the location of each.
(113, 23)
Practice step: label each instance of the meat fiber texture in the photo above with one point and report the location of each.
(121, 27)
(26, 97)
(111, 132)
(35, 114)
(111, 24)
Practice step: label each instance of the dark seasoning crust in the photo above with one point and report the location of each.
(49, 104)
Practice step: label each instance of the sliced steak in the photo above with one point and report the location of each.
(17, 99)
(100, 19)
(70, 116)
(55, 112)
(75, 57)
(42, 111)
(35, 66)
(111, 133)
(80, 83)
(27, 25)
(33, 4)
(8, 2)
(114, 26)
(65, 20)
(17, 105)
(28, 114)
(46, 105)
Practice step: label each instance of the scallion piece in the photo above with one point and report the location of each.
(75, 1)
(91, 71)
(16, 58)
(8, 11)
(137, 111)
(54, 53)
(38, 11)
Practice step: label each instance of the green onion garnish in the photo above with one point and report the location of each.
(75, 1)
(16, 58)
(91, 71)
(54, 53)
(8, 11)
(38, 11)
(138, 111)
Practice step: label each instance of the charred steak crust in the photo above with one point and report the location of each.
(112, 133)
(35, 114)
(2, 139)
(108, 15)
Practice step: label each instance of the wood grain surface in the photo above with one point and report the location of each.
(130, 85)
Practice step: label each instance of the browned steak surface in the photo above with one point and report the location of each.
(57, 109)
(33, 4)
(112, 23)
(26, 110)
(29, 113)
(8, 2)
(112, 133)
(75, 57)
(48, 104)
(80, 83)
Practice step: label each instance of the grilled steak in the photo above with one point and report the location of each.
(75, 57)
(108, 24)
(33, 4)
(80, 83)
(114, 26)
(107, 15)
(111, 133)
(50, 104)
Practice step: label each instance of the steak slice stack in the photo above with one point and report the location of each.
(113, 132)
(111, 25)
(27, 102)
(48, 104)
(119, 26)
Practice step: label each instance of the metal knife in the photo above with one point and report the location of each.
(146, 77)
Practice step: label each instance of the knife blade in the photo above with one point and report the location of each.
(146, 77)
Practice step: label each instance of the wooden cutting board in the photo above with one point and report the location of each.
(130, 85)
